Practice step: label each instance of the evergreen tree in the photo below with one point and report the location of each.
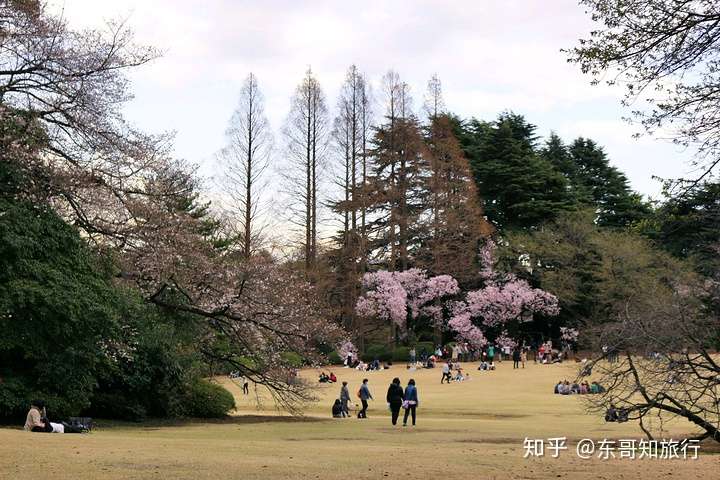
(604, 186)
(520, 189)
(395, 193)
(688, 226)
(455, 221)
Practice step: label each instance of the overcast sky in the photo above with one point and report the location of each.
(490, 55)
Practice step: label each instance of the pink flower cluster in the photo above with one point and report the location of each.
(347, 348)
(499, 303)
(504, 298)
(466, 330)
(395, 295)
(505, 341)
(569, 335)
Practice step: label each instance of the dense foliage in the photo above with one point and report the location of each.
(58, 310)
(70, 335)
(523, 184)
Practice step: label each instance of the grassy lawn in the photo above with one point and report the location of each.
(465, 430)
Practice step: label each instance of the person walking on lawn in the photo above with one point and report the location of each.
(345, 399)
(365, 395)
(446, 372)
(411, 402)
(395, 397)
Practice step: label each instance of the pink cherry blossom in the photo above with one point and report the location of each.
(569, 335)
(505, 341)
(505, 298)
(347, 348)
(393, 296)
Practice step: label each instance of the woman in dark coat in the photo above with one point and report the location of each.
(395, 396)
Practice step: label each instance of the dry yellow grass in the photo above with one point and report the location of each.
(465, 430)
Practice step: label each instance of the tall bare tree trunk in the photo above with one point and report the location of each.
(305, 133)
(244, 161)
(350, 140)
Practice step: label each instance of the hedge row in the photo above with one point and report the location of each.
(385, 353)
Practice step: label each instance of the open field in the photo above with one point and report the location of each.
(465, 430)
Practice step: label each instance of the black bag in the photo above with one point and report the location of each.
(84, 424)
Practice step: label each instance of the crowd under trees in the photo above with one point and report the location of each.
(398, 225)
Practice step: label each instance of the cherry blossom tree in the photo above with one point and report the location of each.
(402, 297)
(399, 297)
(504, 299)
(347, 349)
(569, 335)
(506, 341)
(251, 311)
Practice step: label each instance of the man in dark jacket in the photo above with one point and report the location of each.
(516, 358)
(395, 396)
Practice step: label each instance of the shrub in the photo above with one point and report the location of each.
(381, 352)
(208, 400)
(334, 358)
(118, 406)
(428, 346)
(401, 354)
(292, 359)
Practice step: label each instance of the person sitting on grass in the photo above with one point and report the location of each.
(337, 409)
(34, 422)
(37, 421)
(332, 378)
(323, 378)
(566, 389)
(614, 414)
(559, 387)
(596, 388)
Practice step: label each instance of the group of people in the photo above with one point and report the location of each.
(397, 399)
(615, 414)
(546, 354)
(567, 388)
(371, 366)
(324, 378)
(519, 356)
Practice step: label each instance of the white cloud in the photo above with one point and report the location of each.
(490, 55)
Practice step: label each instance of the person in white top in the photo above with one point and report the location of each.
(446, 373)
